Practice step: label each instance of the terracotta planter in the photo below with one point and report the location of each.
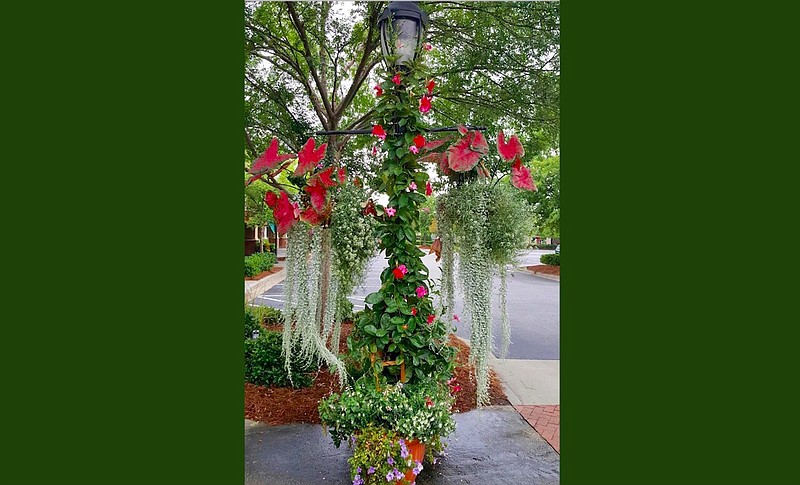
(417, 451)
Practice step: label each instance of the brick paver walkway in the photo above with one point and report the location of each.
(545, 420)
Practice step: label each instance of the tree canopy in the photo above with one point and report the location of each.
(310, 66)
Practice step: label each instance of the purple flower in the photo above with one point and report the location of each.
(417, 468)
(398, 475)
(371, 470)
(358, 470)
(404, 453)
(390, 461)
(390, 477)
(358, 480)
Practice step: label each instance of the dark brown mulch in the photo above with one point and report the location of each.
(284, 405)
(263, 274)
(546, 269)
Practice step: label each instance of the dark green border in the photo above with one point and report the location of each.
(124, 360)
(677, 351)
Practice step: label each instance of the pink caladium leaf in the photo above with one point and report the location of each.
(521, 177)
(309, 157)
(434, 144)
(463, 155)
(434, 157)
(511, 150)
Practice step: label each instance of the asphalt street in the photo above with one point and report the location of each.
(533, 306)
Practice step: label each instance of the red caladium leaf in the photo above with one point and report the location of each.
(521, 176)
(312, 217)
(269, 159)
(324, 178)
(511, 150)
(284, 213)
(317, 191)
(271, 199)
(463, 129)
(419, 141)
(309, 157)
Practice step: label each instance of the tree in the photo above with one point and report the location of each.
(310, 67)
(546, 199)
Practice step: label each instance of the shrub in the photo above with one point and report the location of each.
(250, 324)
(258, 262)
(551, 259)
(267, 315)
(544, 246)
(265, 366)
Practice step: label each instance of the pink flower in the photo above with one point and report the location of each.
(378, 90)
(413, 149)
(455, 317)
(421, 291)
(412, 186)
(403, 269)
(390, 211)
(431, 318)
(427, 46)
(424, 104)
(396, 79)
(428, 402)
(428, 189)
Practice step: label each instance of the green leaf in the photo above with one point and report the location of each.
(410, 235)
(398, 320)
(370, 329)
(374, 298)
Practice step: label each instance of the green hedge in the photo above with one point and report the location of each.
(267, 315)
(544, 246)
(264, 364)
(551, 259)
(258, 262)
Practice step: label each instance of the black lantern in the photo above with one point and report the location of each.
(402, 27)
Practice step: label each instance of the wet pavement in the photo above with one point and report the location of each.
(493, 445)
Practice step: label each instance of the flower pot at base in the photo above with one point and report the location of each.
(417, 451)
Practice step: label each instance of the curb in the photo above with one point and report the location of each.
(540, 275)
(251, 292)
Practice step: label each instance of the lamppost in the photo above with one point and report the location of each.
(402, 28)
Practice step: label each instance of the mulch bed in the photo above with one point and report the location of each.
(284, 405)
(546, 269)
(263, 274)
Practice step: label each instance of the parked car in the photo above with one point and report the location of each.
(558, 249)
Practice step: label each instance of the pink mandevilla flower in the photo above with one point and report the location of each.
(421, 291)
(378, 90)
(403, 269)
(412, 186)
(390, 211)
(428, 46)
(455, 317)
(431, 318)
(413, 149)
(396, 79)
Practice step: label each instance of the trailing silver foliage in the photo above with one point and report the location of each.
(484, 225)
